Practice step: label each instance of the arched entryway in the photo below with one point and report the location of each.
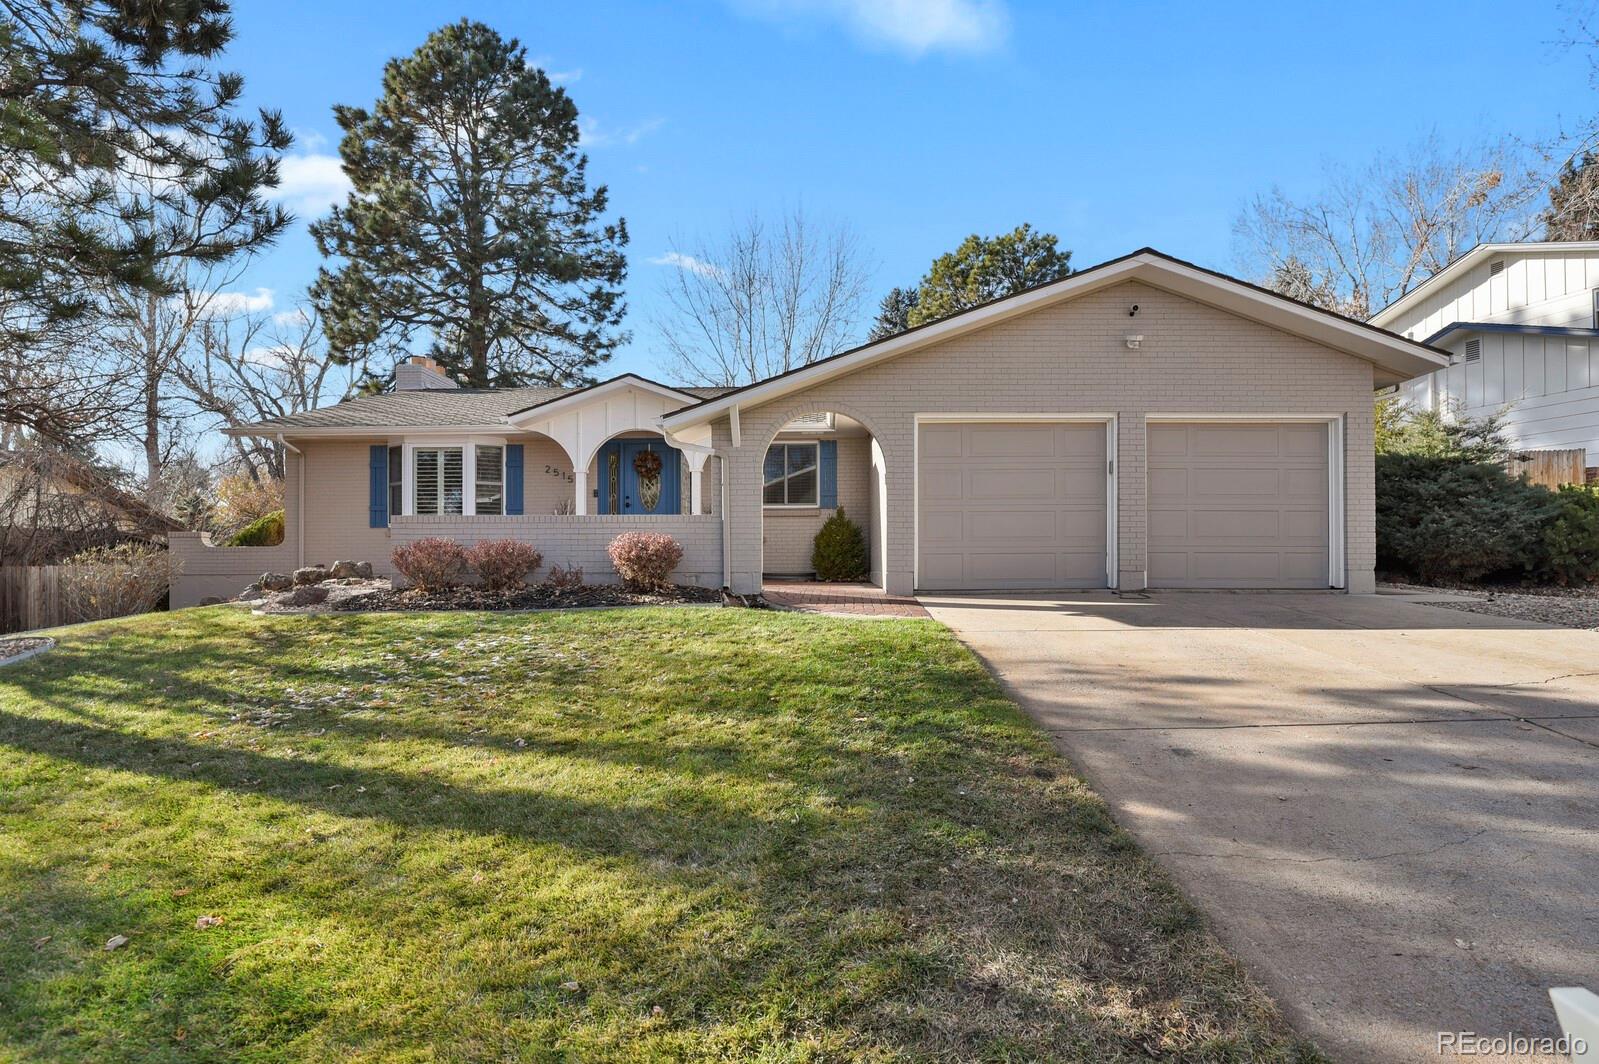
(817, 462)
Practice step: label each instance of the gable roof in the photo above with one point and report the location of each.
(1473, 258)
(436, 408)
(1395, 357)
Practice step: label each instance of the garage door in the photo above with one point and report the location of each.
(1241, 505)
(1011, 505)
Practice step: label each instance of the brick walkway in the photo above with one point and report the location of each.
(851, 600)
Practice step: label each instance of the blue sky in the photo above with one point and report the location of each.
(917, 122)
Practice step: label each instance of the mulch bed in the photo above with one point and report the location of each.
(10, 648)
(535, 597)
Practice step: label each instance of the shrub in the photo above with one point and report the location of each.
(1571, 539)
(503, 563)
(839, 552)
(264, 531)
(432, 564)
(1447, 519)
(564, 579)
(645, 560)
(115, 581)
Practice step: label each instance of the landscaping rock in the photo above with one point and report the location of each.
(275, 582)
(363, 570)
(307, 595)
(346, 570)
(311, 574)
(251, 593)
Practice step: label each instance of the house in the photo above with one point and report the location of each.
(1142, 423)
(53, 504)
(1521, 325)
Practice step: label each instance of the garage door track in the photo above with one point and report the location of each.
(1388, 809)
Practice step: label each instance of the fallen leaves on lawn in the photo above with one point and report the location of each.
(115, 942)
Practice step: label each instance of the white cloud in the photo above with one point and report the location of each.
(276, 356)
(911, 26)
(565, 77)
(593, 134)
(293, 318)
(232, 304)
(311, 183)
(686, 262)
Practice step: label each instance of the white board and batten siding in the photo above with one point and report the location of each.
(1548, 386)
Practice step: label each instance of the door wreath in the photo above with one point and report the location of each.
(647, 464)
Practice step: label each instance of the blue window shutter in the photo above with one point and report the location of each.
(379, 484)
(828, 463)
(513, 479)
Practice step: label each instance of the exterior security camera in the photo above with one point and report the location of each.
(1134, 312)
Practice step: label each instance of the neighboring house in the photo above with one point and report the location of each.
(53, 504)
(1521, 325)
(1143, 423)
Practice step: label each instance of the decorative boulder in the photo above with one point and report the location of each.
(275, 582)
(307, 595)
(251, 593)
(363, 570)
(346, 570)
(311, 574)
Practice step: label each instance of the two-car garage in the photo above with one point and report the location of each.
(1030, 504)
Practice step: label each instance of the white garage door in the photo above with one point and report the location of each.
(1011, 505)
(1238, 505)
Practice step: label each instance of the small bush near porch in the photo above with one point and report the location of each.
(639, 835)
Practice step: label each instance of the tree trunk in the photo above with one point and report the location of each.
(151, 386)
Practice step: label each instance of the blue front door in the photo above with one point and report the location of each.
(646, 477)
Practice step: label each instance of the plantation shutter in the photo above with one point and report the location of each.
(378, 485)
(828, 461)
(513, 479)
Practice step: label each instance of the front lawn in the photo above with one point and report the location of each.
(619, 835)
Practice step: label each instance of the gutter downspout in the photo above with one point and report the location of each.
(299, 503)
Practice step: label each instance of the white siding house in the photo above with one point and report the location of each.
(1522, 324)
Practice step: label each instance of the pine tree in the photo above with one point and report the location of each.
(471, 225)
(1573, 211)
(893, 313)
(987, 268)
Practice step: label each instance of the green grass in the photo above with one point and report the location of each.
(613, 835)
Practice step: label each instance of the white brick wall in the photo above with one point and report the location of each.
(1068, 359)
(581, 541)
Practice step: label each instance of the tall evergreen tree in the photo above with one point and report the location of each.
(95, 93)
(471, 224)
(1573, 211)
(893, 313)
(986, 268)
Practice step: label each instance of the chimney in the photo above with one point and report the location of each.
(420, 373)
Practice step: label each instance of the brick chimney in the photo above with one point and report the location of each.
(420, 373)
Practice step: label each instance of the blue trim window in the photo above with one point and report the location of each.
(791, 476)
(488, 497)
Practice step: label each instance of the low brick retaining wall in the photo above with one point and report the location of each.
(570, 540)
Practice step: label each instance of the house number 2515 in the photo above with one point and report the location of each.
(564, 474)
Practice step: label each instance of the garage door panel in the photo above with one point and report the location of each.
(1011, 525)
(1011, 441)
(1238, 506)
(1012, 506)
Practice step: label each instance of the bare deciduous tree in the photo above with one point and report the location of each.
(258, 366)
(763, 300)
(1372, 235)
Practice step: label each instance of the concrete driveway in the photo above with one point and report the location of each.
(1389, 810)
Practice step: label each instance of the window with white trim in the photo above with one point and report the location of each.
(438, 483)
(396, 481)
(489, 481)
(791, 475)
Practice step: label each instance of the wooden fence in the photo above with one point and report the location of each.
(1552, 468)
(30, 597)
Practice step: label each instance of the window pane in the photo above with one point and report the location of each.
(801, 457)
(802, 488)
(453, 493)
(490, 495)
(427, 481)
(772, 494)
(396, 481)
